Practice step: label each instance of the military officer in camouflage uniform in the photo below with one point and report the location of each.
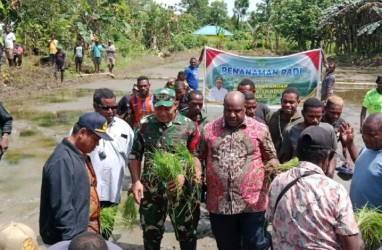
(165, 129)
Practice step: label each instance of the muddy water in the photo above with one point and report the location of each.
(40, 122)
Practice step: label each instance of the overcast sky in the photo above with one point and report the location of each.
(230, 4)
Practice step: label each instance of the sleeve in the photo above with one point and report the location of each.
(201, 148)
(286, 146)
(61, 197)
(268, 150)
(344, 223)
(194, 138)
(138, 145)
(6, 120)
(366, 101)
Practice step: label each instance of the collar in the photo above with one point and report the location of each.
(297, 115)
(308, 166)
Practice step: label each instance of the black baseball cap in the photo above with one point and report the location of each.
(95, 123)
(315, 137)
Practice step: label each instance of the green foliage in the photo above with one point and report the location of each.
(369, 222)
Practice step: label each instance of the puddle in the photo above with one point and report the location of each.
(351, 97)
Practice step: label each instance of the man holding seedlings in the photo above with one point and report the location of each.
(69, 203)
(315, 212)
(165, 131)
(235, 147)
(110, 158)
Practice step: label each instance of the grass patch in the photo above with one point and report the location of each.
(13, 157)
(272, 171)
(27, 132)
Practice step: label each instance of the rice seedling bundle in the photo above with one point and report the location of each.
(129, 211)
(107, 215)
(369, 222)
(272, 170)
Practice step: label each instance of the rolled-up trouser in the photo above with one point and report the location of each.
(184, 213)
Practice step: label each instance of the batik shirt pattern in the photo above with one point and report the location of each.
(235, 169)
(311, 213)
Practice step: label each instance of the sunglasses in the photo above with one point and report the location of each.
(107, 107)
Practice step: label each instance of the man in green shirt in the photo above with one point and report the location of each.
(372, 101)
(165, 130)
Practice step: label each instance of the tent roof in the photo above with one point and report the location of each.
(212, 30)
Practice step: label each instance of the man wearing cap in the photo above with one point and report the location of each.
(141, 104)
(69, 202)
(110, 158)
(312, 112)
(372, 102)
(322, 215)
(235, 147)
(165, 130)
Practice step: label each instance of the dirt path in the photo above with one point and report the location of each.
(20, 180)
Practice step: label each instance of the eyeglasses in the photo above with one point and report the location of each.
(107, 107)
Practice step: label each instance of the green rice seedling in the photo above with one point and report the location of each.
(271, 171)
(129, 212)
(165, 166)
(107, 215)
(369, 222)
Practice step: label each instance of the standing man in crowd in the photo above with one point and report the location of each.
(9, 42)
(52, 46)
(5, 129)
(235, 147)
(247, 85)
(18, 52)
(164, 130)
(328, 82)
(60, 63)
(286, 116)
(195, 111)
(365, 188)
(110, 158)
(110, 56)
(372, 101)
(124, 110)
(312, 112)
(251, 106)
(97, 50)
(69, 203)
(315, 212)
(79, 53)
(141, 104)
(181, 94)
(191, 72)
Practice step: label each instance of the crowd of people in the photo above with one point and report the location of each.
(232, 156)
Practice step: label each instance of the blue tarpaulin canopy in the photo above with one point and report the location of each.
(212, 30)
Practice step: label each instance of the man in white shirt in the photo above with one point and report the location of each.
(109, 158)
(217, 93)
(9, 40)
(110, 54)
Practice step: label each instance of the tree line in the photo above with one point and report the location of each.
(340, 26)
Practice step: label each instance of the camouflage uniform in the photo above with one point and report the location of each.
(150, 135)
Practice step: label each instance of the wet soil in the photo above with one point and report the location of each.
(44, 115)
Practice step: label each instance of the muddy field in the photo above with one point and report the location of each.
(44, 116)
